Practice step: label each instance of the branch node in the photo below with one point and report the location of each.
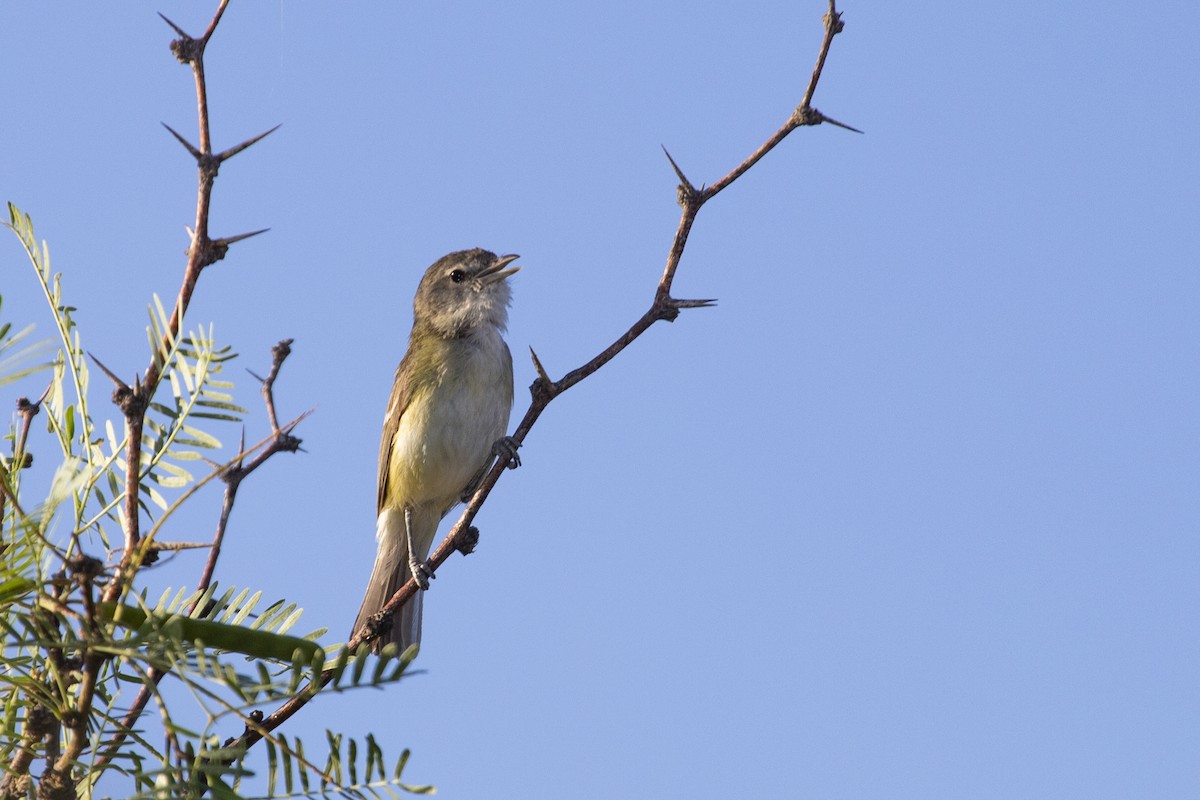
(213, 250)
(185, 48)
(282, 348)
(466, 540)
(130, 399)
(287, 443)
(807, 115)
(833, 20)
(667, 308)
(84, 567)
(28, 409)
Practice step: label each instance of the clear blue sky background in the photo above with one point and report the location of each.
(912, 513)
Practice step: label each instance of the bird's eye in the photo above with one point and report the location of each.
(457, 276)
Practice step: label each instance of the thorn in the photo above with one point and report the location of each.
(45, 394)
(256, 376)
(694, 303)
(174, 27)
(541, 371)
(831, 121)
(684, 182)
(217, 249)
(228, 240)
(237, 148)
(196, 154)
(120, 384)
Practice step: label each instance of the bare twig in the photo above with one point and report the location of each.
(544, 390)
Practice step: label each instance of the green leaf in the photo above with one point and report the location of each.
(14, 588)
(199, 438)
(219, 635)
(158, 499)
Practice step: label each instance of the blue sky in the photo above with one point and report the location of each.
(911, 513)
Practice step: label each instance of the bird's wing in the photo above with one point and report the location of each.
(397, 403)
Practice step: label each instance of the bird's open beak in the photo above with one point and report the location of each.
(497, 271)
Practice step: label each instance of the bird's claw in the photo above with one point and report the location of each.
(505, 449)
(421, 573)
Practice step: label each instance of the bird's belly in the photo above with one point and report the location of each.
(439, 448)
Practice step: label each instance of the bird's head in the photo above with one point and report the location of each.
(464, 292)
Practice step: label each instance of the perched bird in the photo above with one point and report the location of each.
(445, 420)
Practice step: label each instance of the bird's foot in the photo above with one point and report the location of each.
(505, 449)
(421, 573)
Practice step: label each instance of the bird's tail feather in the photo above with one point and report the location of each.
(390, 573)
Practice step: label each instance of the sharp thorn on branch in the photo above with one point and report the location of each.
(237, 148)
(196, 154)
(684, 182)
(833, 121)
(42, 399)
(256, 376)
(174, 27)
(541, 371)
(709, 303)
(228, 240)
(120, 384)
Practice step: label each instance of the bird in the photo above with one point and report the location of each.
(445, 423)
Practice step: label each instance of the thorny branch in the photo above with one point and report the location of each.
(133, 400)
(202, 251)
(544, 389)
(281, 441)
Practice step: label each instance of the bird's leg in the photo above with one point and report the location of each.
(419, 571)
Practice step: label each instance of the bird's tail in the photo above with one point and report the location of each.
(390, 573)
